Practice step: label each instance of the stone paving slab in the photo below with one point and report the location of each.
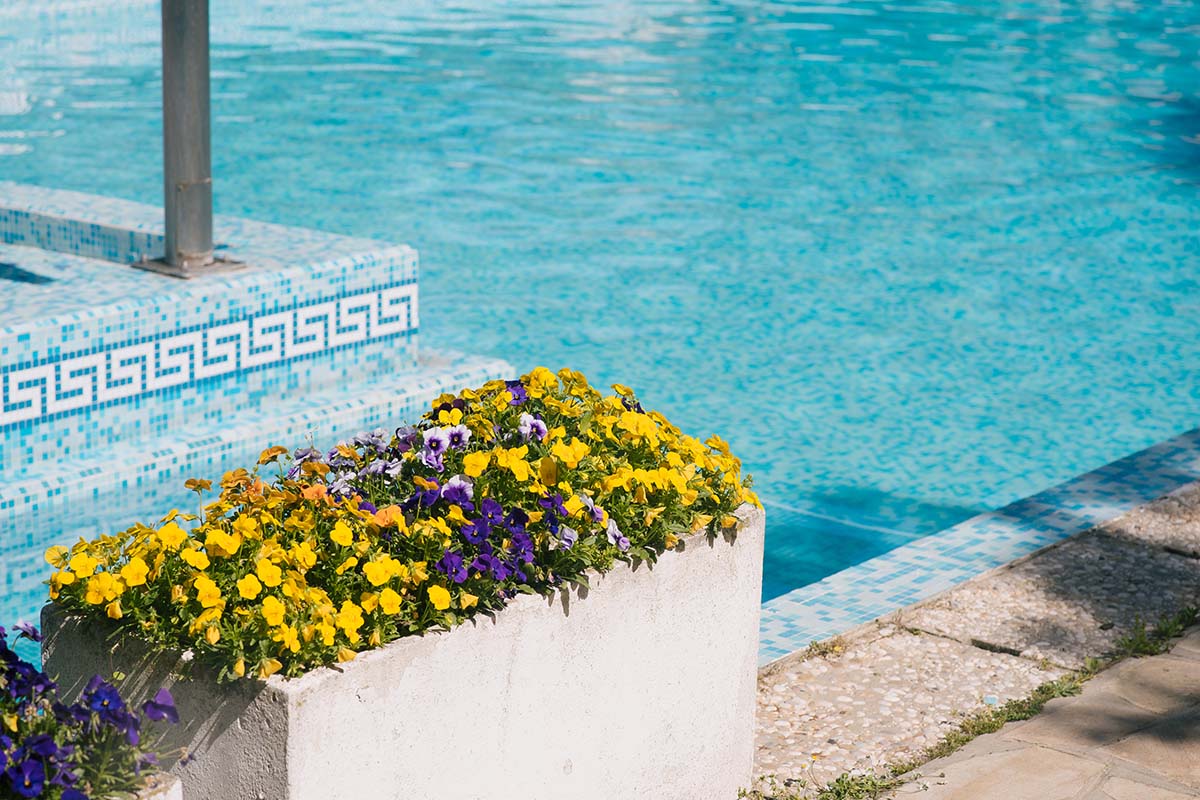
(883, 701)
(1171, 522)
(1133, 734)
(1065, 604)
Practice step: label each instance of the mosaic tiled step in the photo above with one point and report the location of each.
(131, 482)
(94, 352)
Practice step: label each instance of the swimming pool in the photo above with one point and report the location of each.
(914, 260)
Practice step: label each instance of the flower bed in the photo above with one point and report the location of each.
(533, 487)
(515, 487)
(57, 751)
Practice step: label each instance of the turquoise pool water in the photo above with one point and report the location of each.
(913, 259)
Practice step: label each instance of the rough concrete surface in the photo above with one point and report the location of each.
(881, 702)
(1068, 603)
(900, 684)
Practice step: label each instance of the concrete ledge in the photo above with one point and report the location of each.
(643, 686)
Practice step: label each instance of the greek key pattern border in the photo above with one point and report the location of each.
(79, 381)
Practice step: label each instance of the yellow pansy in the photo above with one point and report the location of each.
(350, 619)
(349, 563)
(103, 587)
(113, 610)
(269, 667)
(389, 601)
(548, 470)
(171, 535)
(134, 573)
(57, 556)
(220, 542)
(269, 573)
(570, 454)
(249, 587)
(207, 591)
(303, 556)
(381, 570)
(342, 534)
(467, 600)
(513, 459)
(273, 610)
(287, 637)
(195, 558)
(83, 564)
(439, 597)
(475, 463)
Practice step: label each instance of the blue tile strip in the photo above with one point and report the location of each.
(930, 565)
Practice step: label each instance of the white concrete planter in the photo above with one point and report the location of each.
(642, 687)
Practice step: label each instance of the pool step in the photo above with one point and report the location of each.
(94, 352)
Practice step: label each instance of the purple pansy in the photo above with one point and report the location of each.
(407, 438)
(493, 512)
(568, 536)
(27, 777)
(595, 510)
(487, 562)
(517, 390)
(436, 442)
(616, 537)
(160, 707)
(531, 427)
(28, 631)
(377, 440)
(451, 565)
(521, 547)
(459, 490)
(476, 531)
(458, 435)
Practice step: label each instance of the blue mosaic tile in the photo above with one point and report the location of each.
(933, 564)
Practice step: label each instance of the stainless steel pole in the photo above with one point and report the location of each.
(187, 139)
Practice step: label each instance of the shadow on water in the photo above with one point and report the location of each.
(830, 531)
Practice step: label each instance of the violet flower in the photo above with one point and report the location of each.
(451, 565)
(376, 440)
(436, 442)
(568, 536)
(459, 490)
(406, 438)
(616, 537)
(160, 707)
(517, 390)
(531, 427)
(459, 435)
(595, 510)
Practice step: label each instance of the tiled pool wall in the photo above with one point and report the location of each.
(928, 566)
(117, 384)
